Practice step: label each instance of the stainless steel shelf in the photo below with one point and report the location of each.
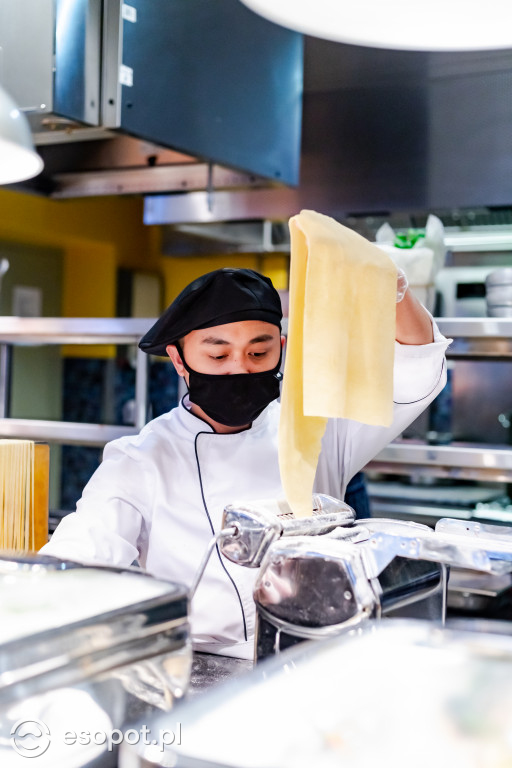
(30, 331)
(65, 432)
(473, 337)
(72, 330)
(476, 327)
(479, 337)
(456, 461)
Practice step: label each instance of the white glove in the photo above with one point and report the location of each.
(401, 285)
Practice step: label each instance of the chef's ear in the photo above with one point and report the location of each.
(173, 353)
(283, 341)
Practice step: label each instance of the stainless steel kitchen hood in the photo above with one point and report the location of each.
(384, 133)
(190, 79)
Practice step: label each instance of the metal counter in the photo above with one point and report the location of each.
(209, 670)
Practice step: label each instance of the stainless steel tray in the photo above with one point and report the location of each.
(85, 648)
(397, 693)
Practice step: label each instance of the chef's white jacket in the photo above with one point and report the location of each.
(158, 497)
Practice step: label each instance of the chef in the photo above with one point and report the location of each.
(157, 498)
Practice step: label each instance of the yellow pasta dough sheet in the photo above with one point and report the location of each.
(340, 349)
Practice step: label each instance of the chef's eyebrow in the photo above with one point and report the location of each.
(218, 340)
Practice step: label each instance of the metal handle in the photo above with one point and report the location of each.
(223, 534)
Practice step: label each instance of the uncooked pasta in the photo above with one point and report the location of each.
(16, 495)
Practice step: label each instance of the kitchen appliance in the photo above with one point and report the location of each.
(84, 649)
(395, 693)
(325, 574)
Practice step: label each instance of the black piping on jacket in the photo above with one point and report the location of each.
(411, 402)
(213, 532)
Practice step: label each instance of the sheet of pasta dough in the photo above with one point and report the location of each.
(340, 350)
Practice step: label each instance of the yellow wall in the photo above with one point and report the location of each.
(99, 235)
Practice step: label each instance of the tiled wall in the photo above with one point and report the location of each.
(100, 391)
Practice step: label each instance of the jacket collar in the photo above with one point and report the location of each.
(194, 424)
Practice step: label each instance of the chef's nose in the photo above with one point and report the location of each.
(239, 364)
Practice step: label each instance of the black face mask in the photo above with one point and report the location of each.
(233, 399)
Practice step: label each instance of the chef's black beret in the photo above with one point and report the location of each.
(223, 296)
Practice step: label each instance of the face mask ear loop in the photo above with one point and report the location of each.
(182, 356)
(180, 350)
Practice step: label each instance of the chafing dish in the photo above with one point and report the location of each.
(401, 693)
(328, 573)
(82, 650)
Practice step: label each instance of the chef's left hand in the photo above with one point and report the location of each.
(413, 323)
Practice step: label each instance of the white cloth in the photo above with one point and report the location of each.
(157, 496)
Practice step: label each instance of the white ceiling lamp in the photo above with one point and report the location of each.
(18, 158)
(409, 25)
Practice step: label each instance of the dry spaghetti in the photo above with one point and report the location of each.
(16, 495)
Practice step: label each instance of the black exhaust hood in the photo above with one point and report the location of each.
(384, 133)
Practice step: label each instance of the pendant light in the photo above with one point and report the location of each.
(18, 158)
(414, 25)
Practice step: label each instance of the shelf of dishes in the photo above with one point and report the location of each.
(473, 337)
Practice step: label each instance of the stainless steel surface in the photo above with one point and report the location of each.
(475, 337)
(366, 699)
(64, 60)
(475, 328)
(209, 670)
(51, 58)
(474, 530)
(77, 60)
(225, 533)
(484, 240)
(141, 389)
(65, 432)
(28, 25)
(28, 331)
(221, 206)
(161, 178)
(68, 653)
(490, 555)
(457, 461)
(71, 664)
(117, 330)
(112, 54)
(479, 593)
(258, 524)
(76, 330)
(313, 587)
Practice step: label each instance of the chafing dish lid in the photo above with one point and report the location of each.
(407, 691)
(60, 616)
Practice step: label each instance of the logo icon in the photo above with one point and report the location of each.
(30, 738)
